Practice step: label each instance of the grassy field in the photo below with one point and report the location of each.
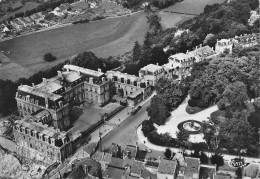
(65, 42)
(187, 6)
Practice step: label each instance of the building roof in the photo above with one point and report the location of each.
(83, 70)
(123, 75)
(179, 157)
(28, 19)
(152, 68)
(207, 172)
(167, 166)
(117, 162)
(107, 157)
(94, 167)
(202, 51)
(252, 170)
(98, 155)
(128, 162)
(192, 167)
(64, 6)
(16, 21)
(90, 148)
(36, 16)
(222, 176)
(115, 173)
(137, 167)
(130, 151)
(146, 174)
(180, 56)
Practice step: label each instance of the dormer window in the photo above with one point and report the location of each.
(32, 101)
(36, 102)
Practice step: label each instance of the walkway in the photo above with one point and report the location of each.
(179, 115)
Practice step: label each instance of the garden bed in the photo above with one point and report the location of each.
(193, 110)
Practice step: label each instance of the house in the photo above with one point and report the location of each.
(103, 158)
(192, 168)
(89, 150)
(62, 9)
(152, 73)
(115, 169)
(26, 21)
(147, 174)
(202, 53)
(130, 151)
(167, 169)
(85, 168)
(207, 171)
(181, 64)
(224, 45)
(17, 24)
(226, 170)
(254, 16)
(37, 17)
(252, 171)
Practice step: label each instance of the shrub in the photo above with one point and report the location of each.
(217, 159)
(204, 158)
(192, 103)
(168, 153)
(49, 57)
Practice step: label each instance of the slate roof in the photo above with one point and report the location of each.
(192, 167)
(117, 162)
(137, 167)
(146, 174)
(167, 166)
(114, 173)
(252, 170)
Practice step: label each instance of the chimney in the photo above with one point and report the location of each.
(91, 80)
(60, 74)
(99, 70)
(44, 80)
(200, 45)
(67, 69)
(85, 168)
(33, 85)
(157, 64)
(187, 52)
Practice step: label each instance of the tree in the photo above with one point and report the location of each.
(168, 153)
(147, 127)
(157, 110)
(217, 159)
(204, 158)
(183, 135)
(136, 51)
(49, 57)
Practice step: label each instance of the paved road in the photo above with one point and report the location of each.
(122, 134)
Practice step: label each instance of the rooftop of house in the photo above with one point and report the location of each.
(29, 122)
(117, 162)
(128, 162)
(192, 167)
(207, 172)
(226, 167)
(64, 6)
(180, 158)
(167, 166)
(83, 70)
(93, 167)
(137, 167)
(98, 155)
(180, 56)
(48, 87)
(252, 170)
(222, 176)
(130, 151)
(147, 174)
(114, 148)
(28, 19)
(107, 157)
(123, 75)
(152, 68)
(16, 21)
(201, 51)
(115, 173)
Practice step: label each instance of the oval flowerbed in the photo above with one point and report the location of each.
(191, 126)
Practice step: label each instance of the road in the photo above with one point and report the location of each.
(125, 133)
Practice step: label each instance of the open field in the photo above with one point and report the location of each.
(65, 42)
(187, 6)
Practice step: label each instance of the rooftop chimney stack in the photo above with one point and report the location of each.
(33, 85)
(60, 74)
(99, 70)
(44, 80)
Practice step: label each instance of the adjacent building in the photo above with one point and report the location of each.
(202, 53)
(224, 45)
(167, 169)
(152, 73)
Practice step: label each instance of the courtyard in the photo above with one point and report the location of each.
(88, 115)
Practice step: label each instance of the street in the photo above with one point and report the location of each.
(125, 133)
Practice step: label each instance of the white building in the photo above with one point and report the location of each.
(224, 44)
(152, 73)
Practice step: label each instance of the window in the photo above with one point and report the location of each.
(36, 102)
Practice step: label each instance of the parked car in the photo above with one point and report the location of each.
(139, 107)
